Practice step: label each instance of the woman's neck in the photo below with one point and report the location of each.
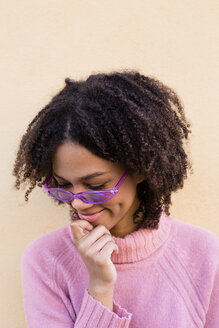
(126, 224)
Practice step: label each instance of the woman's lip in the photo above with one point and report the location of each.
(90, 217)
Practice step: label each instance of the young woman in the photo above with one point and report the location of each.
(112, 148)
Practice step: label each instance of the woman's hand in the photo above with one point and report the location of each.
(95, 247)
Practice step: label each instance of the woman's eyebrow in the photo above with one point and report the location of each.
(85, 177)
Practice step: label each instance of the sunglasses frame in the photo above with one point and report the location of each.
(82, 195)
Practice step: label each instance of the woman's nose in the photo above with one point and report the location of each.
(79, 205)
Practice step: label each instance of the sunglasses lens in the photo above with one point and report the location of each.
(60, 194)
(94, 197)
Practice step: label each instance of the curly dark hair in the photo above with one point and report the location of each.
(123, 117)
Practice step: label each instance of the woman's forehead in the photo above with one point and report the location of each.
(71, 157)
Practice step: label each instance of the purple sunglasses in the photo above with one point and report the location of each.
(91, 197)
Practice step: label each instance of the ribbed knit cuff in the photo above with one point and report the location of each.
(94, 314)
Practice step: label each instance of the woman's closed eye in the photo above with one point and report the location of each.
(63, 186)
(96, 187)
(69, 185)
(58, 184)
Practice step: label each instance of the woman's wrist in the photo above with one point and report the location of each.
(103, 294)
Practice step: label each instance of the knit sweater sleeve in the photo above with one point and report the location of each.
(47, 306)
(212, 317)
(94, 314)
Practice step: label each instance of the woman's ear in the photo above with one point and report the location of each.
(139, 178)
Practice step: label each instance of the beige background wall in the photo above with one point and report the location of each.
(44, 41)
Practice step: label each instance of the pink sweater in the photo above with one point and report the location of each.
(167, 278)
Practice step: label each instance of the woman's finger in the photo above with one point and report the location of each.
(94, 235)
(106, 252)
(94, 248)
(78, 228)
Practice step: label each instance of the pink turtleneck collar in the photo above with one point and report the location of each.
(140, 244)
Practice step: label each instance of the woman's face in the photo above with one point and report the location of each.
(72, 162)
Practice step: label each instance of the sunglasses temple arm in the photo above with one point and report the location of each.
(121, 180)
(47, 181)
